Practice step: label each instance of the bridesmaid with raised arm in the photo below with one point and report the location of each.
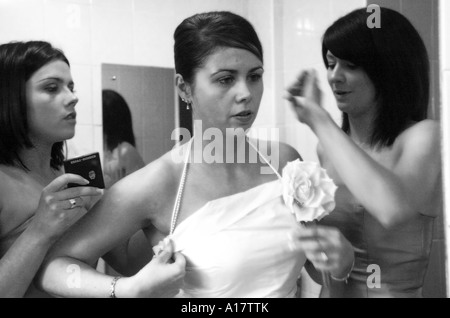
(385, 158)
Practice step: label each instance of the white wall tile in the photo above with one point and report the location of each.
(85, 2)
(68, 26)
(97, 95)
(306, 17)
(153, 39)
(156, 7)
(184, 9)
(82, 77)
(112, 35)
(118, 5)
(21, 20)
(341, 8)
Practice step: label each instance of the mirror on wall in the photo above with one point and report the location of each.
(150, 94)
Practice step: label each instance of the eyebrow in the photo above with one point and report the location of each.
(234, 71)
(58, 79)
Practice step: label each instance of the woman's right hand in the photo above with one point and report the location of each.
(326, 248)
(306, 97)
(162, 277)
(61, 207)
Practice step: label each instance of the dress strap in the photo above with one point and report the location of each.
(176, 207)
(264, 158)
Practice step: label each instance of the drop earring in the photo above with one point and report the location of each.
(188, 103)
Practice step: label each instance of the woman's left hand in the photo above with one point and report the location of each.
(326, 248)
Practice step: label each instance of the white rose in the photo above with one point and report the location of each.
(307, 190)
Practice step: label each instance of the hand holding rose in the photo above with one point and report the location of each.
(307, 190)
(309, 194)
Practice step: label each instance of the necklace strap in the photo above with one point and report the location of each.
(176, 207)
(264, 158)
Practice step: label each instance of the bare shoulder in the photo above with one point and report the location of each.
(149, 188)
(8, 183)
(130, 156)
(278, 152)
(422, 136)
(127, 149)
(13, 186)
(288, 153)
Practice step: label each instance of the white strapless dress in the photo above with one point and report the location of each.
(239, 246)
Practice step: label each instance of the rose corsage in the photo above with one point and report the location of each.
(308, 191)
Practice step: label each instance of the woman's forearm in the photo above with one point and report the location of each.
(70, 278)
(379, 190)
(21, 262)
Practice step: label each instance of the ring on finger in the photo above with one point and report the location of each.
(73, 203)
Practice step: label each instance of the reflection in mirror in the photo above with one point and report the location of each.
(121, 157)
(150, 95)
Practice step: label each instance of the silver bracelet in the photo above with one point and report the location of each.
(345, 279)
(112, 294)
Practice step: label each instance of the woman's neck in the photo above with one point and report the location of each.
(361, 129)
(232, 150)
(37, 158)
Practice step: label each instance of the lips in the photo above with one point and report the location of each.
(244, 113)
(341, 92)
(244, 117)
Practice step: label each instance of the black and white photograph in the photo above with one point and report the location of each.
(233, 152)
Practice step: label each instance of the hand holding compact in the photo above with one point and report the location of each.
(60, 207)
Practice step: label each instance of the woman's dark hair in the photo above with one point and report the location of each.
(201, 34)
(396, 61)
(18, 62)
(117, 121)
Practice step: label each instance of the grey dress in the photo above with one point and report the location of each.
(388, 262)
